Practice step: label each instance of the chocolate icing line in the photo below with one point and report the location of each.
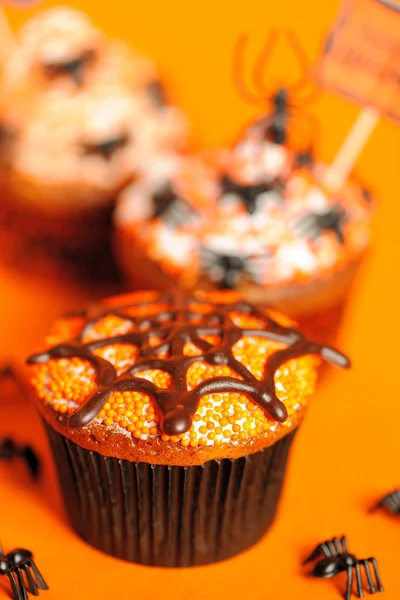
(177, 327)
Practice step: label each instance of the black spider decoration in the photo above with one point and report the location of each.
(247, 194)
(314, 224)
(284, 100)
(74, 67)
(334, 557)
(107, 148)
(10, 451)
(173, 210)
(15, 565)
(390, 502)
(227, 269)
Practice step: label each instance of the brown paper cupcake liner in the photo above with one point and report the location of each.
(170, 516)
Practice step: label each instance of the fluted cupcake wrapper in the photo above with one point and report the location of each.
(170, 516)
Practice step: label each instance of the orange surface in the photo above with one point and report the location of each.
(346, 455)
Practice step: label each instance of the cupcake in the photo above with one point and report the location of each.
(62, 163)
(273, 231)
(171, 419)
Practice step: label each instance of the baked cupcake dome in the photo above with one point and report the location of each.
(206, 377)
(171, 419)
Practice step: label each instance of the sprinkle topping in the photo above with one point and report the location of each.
(181, 353)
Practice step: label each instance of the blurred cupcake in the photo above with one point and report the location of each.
(273, 231)
(171, 420)
(61, 165)
(159, 217)
(60, 51)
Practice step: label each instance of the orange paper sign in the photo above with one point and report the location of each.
(361, 57)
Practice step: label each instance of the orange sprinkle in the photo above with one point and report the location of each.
(65, 383)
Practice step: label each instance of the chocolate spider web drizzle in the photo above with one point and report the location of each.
(177, 326)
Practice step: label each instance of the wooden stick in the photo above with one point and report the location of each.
(352, 147)
(7, 38)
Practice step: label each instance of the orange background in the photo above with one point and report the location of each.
(347, 454)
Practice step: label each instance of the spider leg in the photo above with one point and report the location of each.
(333, 547)
(40, 582)
(17, 594)
(21, 584)
(260, 64)
(343, 541)
(378, 580)
(307, 226)
(338, 545)
(303, 60)
(371, 586)
(323, 548)
(391, 502)
(32, 587)
(238, 72)
(359, 580)
(349, 585)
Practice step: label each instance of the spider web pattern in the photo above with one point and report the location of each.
(177, 326)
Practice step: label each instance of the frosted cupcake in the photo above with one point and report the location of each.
(61, 165)
(171, 420)
(273, 231)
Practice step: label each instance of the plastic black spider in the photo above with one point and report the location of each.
(390, 502)
(314, 224)
(227, 269)
(172, 209)
(74, 67)
(284, 99)
(247, 194)
(337, 558)
(15, 565)
(107, 148)
(10, 451)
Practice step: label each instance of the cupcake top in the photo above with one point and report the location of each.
(71, 153)
(58, 43)
(176, 380)
(60, 48)
(269, 223)
(289, 231)
(62, 52)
